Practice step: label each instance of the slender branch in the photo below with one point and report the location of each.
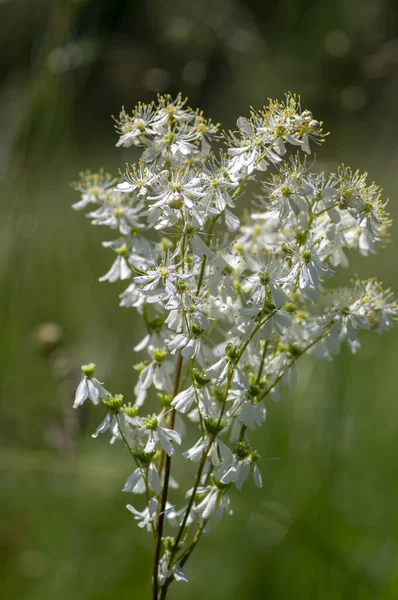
(213, 437)
(185, 556)
(161, 514)
(204, 259)
(326, 209)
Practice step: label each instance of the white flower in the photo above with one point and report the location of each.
(175, 571)
(136, 482)
(109, 423)
(146, 517)
(252, 415)
(307, 272)
(137, 128)
(157, 435)
(239, 472)
(119, 270)
(89, 387)
(214, 502)
(184, 400)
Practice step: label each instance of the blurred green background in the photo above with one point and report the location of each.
(325, 524)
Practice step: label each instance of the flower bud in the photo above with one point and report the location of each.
(123, 250)
(200, 378)
(151, 422)
(129, 410)
(213, 426)
(233, 352)
(114, 403)
(165, 399)
(159, 354)
(88, 370)
(141, 365)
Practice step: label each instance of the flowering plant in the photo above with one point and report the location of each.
(228, 310)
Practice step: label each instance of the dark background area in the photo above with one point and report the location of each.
(325, 524)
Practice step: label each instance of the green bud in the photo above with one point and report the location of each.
(289, 307)
(114, 403)
(88, 370)
(254, 455)
(196, 330)
(144, 458)
(168, 543)
(301, 237)
(141, 365)
(213, 426)
(159, 354)
(129, 410)
(199, 377)
(294, 350)
(242, 450)
(165, 399)
(151, 422)
(254, 390)
(123, 250)
(264, 277)
(233, 352)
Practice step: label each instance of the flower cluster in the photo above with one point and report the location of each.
(228, 305)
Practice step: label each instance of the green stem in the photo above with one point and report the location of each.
(211, 440)
(326, 209)
(185, 556)
(204, 259)
(161, 513)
